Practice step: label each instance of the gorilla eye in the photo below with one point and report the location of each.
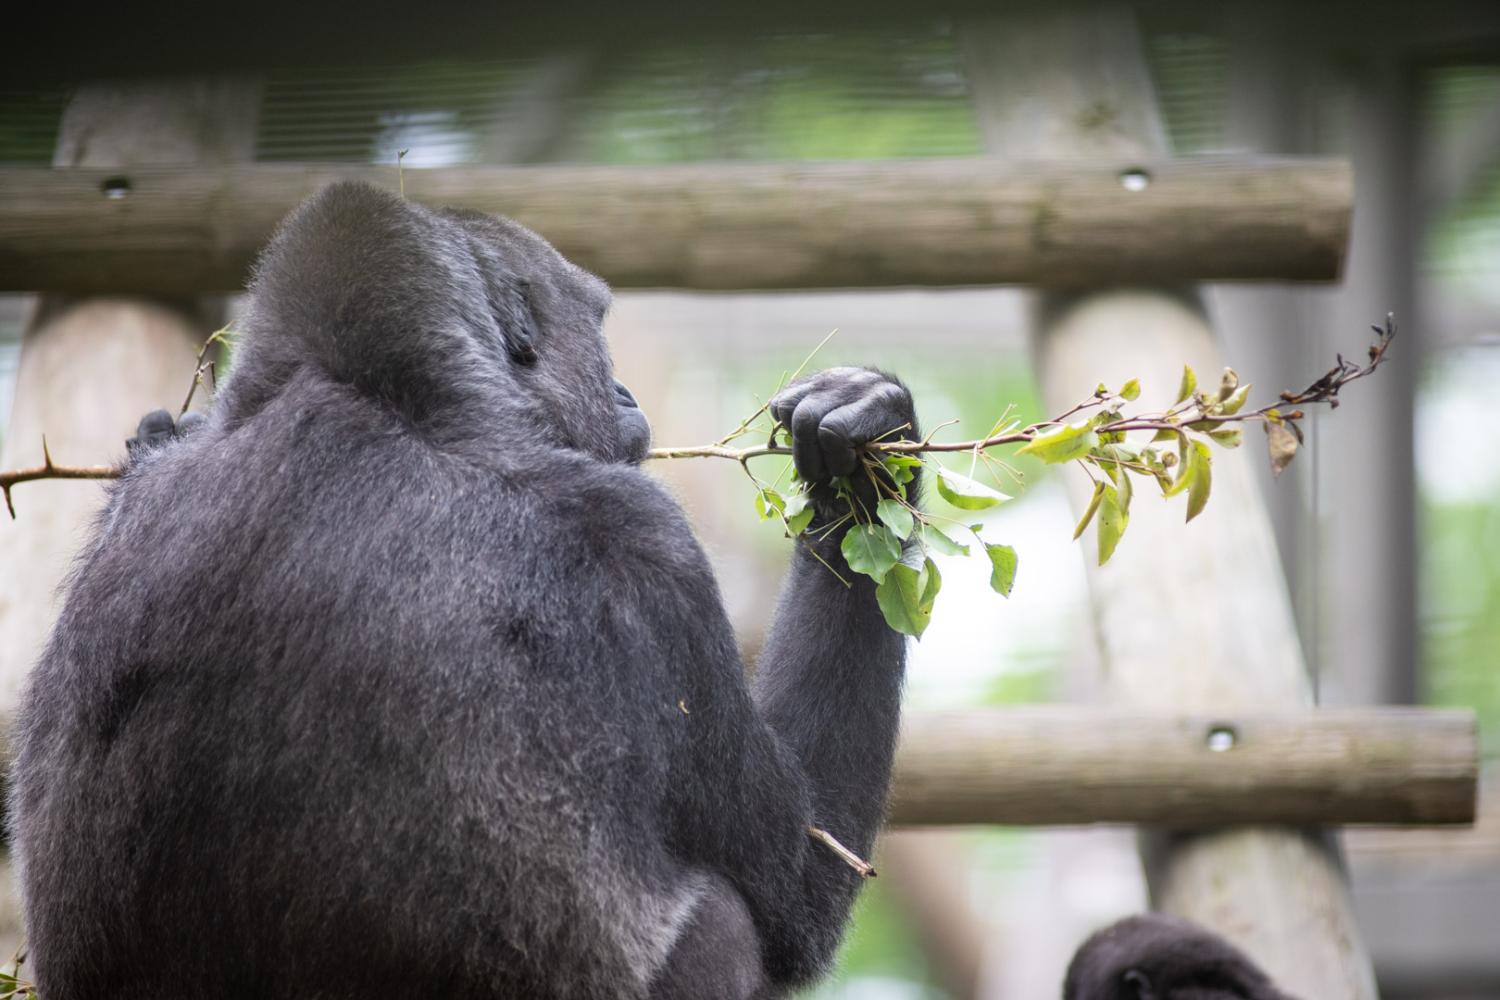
(1137, 985)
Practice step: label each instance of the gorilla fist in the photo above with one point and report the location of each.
(832, 415)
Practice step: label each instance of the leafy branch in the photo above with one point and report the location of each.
(893, 542)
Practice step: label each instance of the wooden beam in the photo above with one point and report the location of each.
(1062, 766)
(1065, 766)
(725, 226)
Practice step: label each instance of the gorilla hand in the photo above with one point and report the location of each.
(157, 428)
(635, 429)
(832, 415)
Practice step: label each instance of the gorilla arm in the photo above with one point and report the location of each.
(814, 744)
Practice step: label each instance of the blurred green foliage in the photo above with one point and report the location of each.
(1460, 590)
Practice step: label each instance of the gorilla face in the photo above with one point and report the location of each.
(466, 324)
(557, 309)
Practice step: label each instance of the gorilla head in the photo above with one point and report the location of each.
(456, 319)
(1157, 957)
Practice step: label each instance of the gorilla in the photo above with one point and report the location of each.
(1158, 957)
(396, 676)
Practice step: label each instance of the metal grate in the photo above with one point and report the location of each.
(781, 97)
(28, 125)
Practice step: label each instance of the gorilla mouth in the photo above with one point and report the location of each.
(635, 430)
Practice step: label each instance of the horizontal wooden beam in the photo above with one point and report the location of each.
(725, 226)
(1065, 766)
(1062, 766)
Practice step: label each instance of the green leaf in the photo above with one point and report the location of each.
(1002, 568)
(965, 493)
(1064, 444)
(896, 517)
(906, 597)
(1113, 520)
(1088, 514)
(871, 549)
(1235, 400)
(797, 523)
(1203, 460)
(1123, 452)
(1188, 385)
(901, 468)
(934, 585)
(1131, 390)
(1230, 437)
(936, 540)
(768, 503)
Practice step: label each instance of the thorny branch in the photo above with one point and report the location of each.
(1195, 410)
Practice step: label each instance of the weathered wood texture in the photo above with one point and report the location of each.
(1064, 766)
(724, 226)
(1195, 618)
(1071, 766)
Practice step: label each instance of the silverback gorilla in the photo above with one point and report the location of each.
(397, 677)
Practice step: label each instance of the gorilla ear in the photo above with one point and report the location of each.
(518, 327)
(509, 299)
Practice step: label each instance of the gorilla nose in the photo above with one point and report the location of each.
(623, 396)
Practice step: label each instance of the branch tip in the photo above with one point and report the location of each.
(859, 864)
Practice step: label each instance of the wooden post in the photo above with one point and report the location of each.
(1191, 618)
(90, 368)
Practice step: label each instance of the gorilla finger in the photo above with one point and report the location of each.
(784, 403)
(884, 414)
(191, 422)
(844, 382)
(840, 457)
(154, 426)
(154, 429)
(807, 451)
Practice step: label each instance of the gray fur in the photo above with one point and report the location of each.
(372, 684)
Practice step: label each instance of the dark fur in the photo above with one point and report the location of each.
(1157, 957)
(398, 679)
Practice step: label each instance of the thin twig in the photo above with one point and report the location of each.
(1324, 389)
(50, 470)
(220, 335)
(859, 864)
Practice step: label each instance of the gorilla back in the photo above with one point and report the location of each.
(398, 677)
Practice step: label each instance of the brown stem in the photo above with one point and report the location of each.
(859, 864)
(1324, 390)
